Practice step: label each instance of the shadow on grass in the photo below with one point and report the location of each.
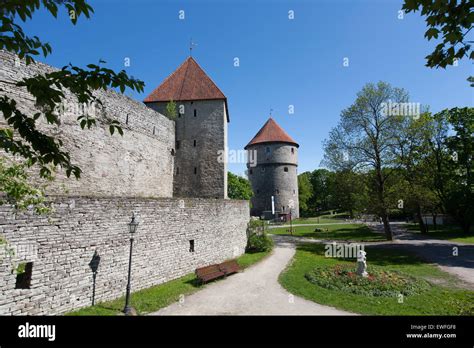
(195, 282)
(378, 256)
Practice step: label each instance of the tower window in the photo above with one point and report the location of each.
(177, 144)
(153, 130)
(258, 191)
(285, 169)
(194, 143)
(250, 171)
(294, 192)
(277, 191)
(267, 150)
(177, 170)
(172, 152)
(23, 275)
(195, 170)
(195, 112)
(283, 208)
(292, 150)
(191, 246)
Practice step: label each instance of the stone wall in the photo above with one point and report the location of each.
(62, 245)
(276, 174)
(138, 164)
(201, 133)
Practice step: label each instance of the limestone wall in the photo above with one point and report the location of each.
(138, 164)
(61, 247)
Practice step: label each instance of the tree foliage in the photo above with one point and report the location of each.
(305, 192)
(238, 187)
(22, 136)
(17, 190)
(171, 110)
(365, 138)
(450, 22)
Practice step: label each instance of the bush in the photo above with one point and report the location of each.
(259, 243)
(379, 282)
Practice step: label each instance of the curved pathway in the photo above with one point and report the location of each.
(255, 291)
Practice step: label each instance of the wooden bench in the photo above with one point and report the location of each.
(205, 274)
(208, 273)
(229, 267)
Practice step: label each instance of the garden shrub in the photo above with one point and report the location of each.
(259, 243)
(380, 282)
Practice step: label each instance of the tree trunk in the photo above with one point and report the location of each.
(420, 220)
(435, 225)
(381, 199)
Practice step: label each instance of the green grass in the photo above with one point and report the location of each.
(444, 297)
(160, 296)
(323, 219)
(353, 232)
(446, 232)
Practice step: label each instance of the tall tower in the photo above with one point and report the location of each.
(275, 172)
(201, 130)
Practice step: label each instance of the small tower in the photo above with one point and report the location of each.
(275, 173)
(201, 130)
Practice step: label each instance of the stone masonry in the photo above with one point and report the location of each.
(138, 164)
(62, 245)
(121, 175)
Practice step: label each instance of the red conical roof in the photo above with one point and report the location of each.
(271, 132)
(188, 82)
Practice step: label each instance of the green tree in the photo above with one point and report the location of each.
(238, 187)
(459, 189)
(171, 110)
(414, 151)
(365, 139)
(452, 20)
(349, 191)
(17, 190)
(22, 137)
(305, 192)
(321, 182)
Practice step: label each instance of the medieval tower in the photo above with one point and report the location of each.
(201, 130)
(275, 172)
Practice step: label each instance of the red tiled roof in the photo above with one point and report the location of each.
(271, 132)
(188, 82)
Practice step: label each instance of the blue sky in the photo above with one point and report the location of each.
(283, 62)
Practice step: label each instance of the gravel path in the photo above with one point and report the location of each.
(255, 291)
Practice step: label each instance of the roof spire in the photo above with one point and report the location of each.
(271, 110)
(191, 44)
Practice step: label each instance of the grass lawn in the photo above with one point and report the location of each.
(152, 299)
(447, 232)
(353, 232)
(323, 219)
(443, 297)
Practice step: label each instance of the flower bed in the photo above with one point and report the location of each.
(380, 282)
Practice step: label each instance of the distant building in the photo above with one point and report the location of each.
(275, 173)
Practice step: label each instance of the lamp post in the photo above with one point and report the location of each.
(132, 228)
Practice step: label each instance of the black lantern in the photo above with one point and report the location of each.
(132, 225)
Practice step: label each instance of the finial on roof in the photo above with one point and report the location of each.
(191, 44)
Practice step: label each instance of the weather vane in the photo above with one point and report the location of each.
(191, 45)
(271, 110)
